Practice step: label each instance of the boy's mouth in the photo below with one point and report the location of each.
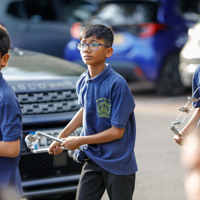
(86, 57)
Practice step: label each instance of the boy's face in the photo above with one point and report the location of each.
(4, 60)
(96, 57)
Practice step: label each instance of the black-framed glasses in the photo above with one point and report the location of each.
(92, 46)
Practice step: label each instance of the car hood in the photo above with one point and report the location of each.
(29, 65)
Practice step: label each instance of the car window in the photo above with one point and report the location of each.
(49, 10)
(190, 9)
(35, 10)
(78, 10)
(40, 8)
(128, 13)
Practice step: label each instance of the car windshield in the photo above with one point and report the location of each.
(78, 10)
(60, 10)
(127, 13)
(190, 9)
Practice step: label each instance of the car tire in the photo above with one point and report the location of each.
(170, 82)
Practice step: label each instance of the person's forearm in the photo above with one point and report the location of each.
(108, 135)
(192, 124)
(9, 149)
(73, 124)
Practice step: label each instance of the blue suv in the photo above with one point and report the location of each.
(149, 35)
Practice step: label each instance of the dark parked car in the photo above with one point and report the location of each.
(45, 88)
(43, 25)
(149, 35)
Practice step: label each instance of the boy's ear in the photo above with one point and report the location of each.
(109, 52)
(4, 60)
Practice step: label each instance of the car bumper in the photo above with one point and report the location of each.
(50, 186)
(43, 174)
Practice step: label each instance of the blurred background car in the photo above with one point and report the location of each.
(43, 25)
(45, 88)
(190, 56)
(149, 35)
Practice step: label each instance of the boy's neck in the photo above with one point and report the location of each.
(95, 70)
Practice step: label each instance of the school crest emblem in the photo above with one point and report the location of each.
(103, 107)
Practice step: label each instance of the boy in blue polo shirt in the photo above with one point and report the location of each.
(10, 127)
(107, 117)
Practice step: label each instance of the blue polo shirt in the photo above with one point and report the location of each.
(107, 101)
(10, 130)
(195, 85)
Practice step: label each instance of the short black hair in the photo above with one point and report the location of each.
(4, 41)
(101, 31)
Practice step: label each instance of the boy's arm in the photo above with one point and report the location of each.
(189, 127)
(108, 135)
(9, 149)
(73, 124)
(70, 128)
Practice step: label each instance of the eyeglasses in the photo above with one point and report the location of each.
(92, 46)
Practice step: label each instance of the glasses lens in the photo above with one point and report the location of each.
(93, 46)
(81, 46)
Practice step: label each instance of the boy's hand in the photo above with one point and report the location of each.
(55, 148)
(179, 139)
(71, 142)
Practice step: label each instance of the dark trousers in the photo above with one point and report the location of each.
(94, 180)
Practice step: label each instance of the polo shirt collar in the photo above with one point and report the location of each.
(99, 78)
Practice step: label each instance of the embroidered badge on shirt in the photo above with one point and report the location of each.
(103, 107)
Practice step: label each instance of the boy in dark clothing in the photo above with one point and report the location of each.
(107, 117)
(10, 126)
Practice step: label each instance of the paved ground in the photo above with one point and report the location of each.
(160, 175)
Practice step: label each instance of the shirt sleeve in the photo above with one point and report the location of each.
(122, 105)
(195, 85)
(79, 89)
(11, 126)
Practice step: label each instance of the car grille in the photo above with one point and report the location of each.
(43, 165)
(48, 102)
